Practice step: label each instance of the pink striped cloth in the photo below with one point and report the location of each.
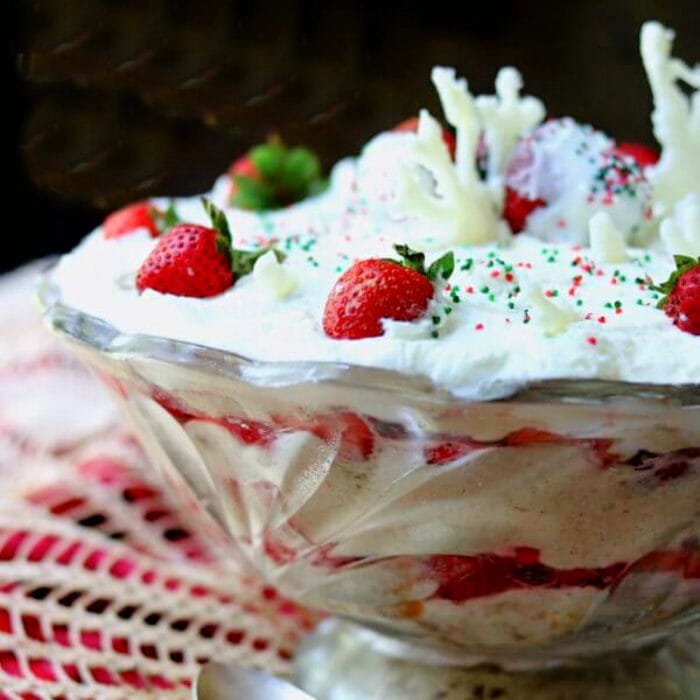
(104, 591)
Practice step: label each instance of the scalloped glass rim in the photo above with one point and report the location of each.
(101, 335)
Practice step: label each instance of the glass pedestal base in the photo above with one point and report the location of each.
(341, 661)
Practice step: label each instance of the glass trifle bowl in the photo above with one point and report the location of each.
(550, 527)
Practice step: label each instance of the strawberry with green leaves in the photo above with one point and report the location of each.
(139, 215)
(196, 261)
(272, 176)
(681, 300)
(378, 288)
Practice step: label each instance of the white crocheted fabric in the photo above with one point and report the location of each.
(104, 592)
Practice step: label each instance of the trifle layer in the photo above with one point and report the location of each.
(363, 438)
(486, 529)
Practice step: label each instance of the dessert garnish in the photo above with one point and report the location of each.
(272, 176)
(682, 294)
(378, 288)
(411, 125)
(676, 117)
(139, 215)
(197, 261)
(465, 205)
(680, 232)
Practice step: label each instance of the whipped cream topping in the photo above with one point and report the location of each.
(537, 305)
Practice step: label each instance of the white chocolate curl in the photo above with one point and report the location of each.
(607, 242)
(273, 277)
(553, 319)
(458, 201)
(466, 207)
(676, 118)
(680, 232)
(506, 117)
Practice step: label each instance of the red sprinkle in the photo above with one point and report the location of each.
(479, 327)
(591, 340)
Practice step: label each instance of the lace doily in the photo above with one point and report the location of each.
(104, 592)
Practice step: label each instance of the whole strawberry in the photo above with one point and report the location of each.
(196, 261)
(130, 218)
(644, 155)
(136, 216)
(272, 176)
(682, 290)
(517, 207)
(377, 288)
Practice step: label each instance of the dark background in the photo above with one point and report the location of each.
(113, 101)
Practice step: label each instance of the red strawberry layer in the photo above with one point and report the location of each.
(450, 450)
(462, 578)
(465, 577)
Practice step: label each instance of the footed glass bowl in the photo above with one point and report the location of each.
(557, 524)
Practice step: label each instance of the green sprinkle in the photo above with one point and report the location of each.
(484, 290)
(434, 334)
(436, 320)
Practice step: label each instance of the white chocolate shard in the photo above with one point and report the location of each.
(273, 277)
(680, 232)
(676, 118)
(506, 117)
(456, 199)
(553, 319)
(607, 242)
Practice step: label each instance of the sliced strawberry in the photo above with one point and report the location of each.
(278, 552)
(529, 436)
(248, 431)
(356, 436)
(449, 451)
(464, 577)
(173, 406)
(130, 218)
